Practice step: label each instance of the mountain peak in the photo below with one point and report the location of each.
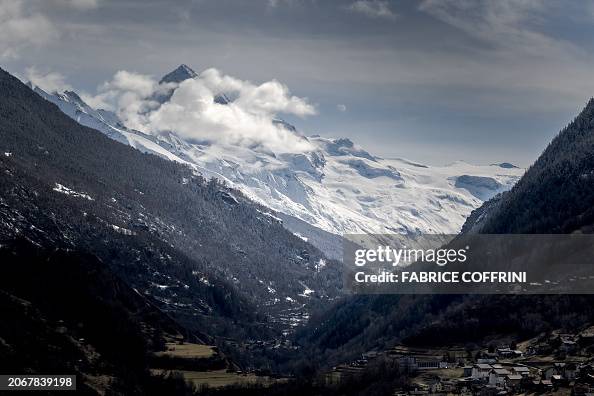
(506, 165)
(181, 73)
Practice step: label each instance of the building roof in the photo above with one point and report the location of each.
(484, 366)
(521, 369)
(501, 372)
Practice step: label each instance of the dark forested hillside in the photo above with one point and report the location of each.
(198, 251)
(556, 195)
(65, 312)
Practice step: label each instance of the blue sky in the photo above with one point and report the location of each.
(432, 80)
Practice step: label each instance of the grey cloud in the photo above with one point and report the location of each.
(438, 71)
(22, 27)
(79, 4)
(373, 8)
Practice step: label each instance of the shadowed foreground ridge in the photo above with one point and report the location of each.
(135, 228)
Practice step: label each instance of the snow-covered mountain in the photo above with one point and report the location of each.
(337, 186)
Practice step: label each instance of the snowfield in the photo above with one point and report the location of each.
(336, 187)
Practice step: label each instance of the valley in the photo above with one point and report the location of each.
(224, 261)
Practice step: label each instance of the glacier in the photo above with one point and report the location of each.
(337, 187)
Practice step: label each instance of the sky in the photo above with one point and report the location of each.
(433, 81)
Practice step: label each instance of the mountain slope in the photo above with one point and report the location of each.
(336, 187)
(64, 312)
(554, 196)
(204, 253)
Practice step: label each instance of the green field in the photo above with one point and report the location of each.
(187, 351)
(218, 378)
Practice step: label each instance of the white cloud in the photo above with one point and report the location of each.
(79, 4)
(21, 28)
(136, 83)
(193, 114)
(129, 94)
(50, 82)
(342, 108)
(373, 9)
(265, 99)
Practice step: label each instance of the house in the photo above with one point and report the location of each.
(586, 369)
(505, 352)
(568, 371)
(463, 384)
(509, 353)
(513, 380)
(422, 363)
(535, 385)
(539, 349)
(558, 380)
(571, 371)
(467, 371)
(481, 371)
(542, 385)
(341, 373)
(443, 386)
(431, 364)
(568, 346)
(521, 370)
(497, 377)
(546, 385)
(555, 369)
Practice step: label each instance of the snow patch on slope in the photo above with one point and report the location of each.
(68, 191)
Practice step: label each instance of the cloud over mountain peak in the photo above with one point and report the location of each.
(192, 110)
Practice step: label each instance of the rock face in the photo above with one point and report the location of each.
(181, 73)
